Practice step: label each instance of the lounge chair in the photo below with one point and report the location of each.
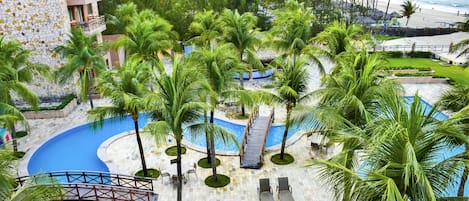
(163, 175)
(194, 171)
(265, 192)
(284, 190)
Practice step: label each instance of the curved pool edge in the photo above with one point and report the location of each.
(23, 165)
(102, 151)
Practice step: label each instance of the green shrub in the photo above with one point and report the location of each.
(409, 68)
(64, 103)
(419, 54)
(419, 74)
(393, 54)
(21, 134)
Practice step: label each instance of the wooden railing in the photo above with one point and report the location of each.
(85, 177)
(408, 48)
(247, 129)
(271, 120)
(104, 192)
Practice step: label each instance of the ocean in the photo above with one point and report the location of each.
(452, 6)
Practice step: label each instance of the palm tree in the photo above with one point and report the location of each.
(456, 100)
(207, 28)
(348, 102)
(399, 161)
(9, 117)
(84, 55)
(240, 30)
(175, 103)
(219, 66)
(147, 36)
(126, 88)
(462, 46)
(408, 9)
(123, 16)
(291, 28)
(463, 26)
(30, 191)
(291, 85)
(338, 37)
(15, 71)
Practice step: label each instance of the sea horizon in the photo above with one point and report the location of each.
(449, 6)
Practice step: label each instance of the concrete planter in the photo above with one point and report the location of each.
(49, 114)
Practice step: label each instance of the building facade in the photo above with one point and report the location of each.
(42, 25)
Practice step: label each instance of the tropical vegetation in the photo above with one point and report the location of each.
(408, 9)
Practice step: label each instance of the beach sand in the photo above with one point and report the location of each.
(424, 16)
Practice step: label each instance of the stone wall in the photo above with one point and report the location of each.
(40, 25)
(49, 114)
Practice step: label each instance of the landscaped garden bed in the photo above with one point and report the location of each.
(57, 110)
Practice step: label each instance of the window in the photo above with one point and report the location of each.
(81, 18)
(71, 14)
(89, 9)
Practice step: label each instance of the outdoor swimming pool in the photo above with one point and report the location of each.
(76, 148)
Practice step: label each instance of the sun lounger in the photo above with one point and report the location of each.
(284, 190)
(265, 191)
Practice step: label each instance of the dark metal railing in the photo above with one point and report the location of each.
(90, 177)
(93, 23)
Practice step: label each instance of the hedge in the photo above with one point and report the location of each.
(64, 103)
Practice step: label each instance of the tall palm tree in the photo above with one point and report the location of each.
(176, 103)
(456, 100)
(338, 37)
(207, 28)
(291, 85)
(15, 71)
(291, 28)
(84, 55)
(219, 66)
(240, 30)
(123, 16)
(408, 9)
(126, 88)
(348, 102)
(147, 36)
(399, 161)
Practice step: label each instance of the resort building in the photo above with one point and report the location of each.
(42, 25)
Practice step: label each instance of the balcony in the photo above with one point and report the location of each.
(95, 24)
(80, 2)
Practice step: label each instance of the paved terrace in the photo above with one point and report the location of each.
(244, 182)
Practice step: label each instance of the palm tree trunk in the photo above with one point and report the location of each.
(285, 133)
(179, 170)
(140, 146)
(90, 99)
(241, 82)
(207, 139)
(212, 147)
(463, 178)
(387, 8)
(13, 138)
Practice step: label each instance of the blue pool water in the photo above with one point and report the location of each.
(76, 149)
(274, 138)
(2, 132)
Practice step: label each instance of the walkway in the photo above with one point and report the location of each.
(253, 144)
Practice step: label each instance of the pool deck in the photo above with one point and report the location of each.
(244, 182)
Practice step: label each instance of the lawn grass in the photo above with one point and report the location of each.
(456, 73)
(173, 151)
(203, 162)
(153, 173)
(380, 37)
(287, 159)
(222, 180)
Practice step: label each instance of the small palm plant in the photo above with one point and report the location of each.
(126, 89)
(84, 55)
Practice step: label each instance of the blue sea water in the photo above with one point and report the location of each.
(452, 6)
